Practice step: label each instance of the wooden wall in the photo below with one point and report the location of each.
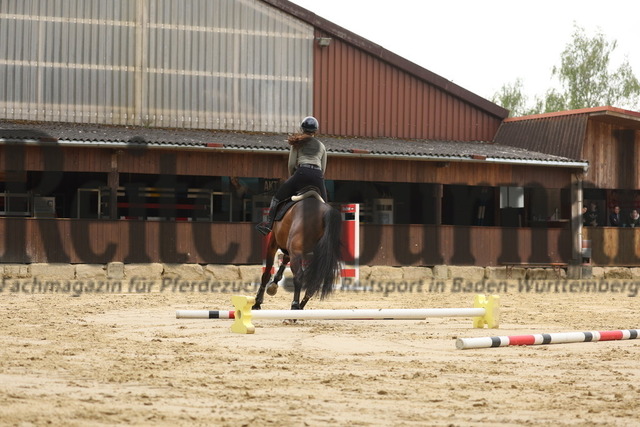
(221, 163)
(144, 161)
(461, 245)
(462, 173)
(614, 155)
(347, 169)
(27, 240)
(19, 157)
(613, 245)
(359, 94)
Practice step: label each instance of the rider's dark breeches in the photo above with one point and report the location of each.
(302, 177)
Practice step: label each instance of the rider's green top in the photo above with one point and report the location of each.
(311, 151)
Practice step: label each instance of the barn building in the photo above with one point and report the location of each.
(155, 131)
(609, 139)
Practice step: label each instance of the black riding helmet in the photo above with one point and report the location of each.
(309, 125)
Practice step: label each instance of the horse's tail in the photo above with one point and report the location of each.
(324, 268)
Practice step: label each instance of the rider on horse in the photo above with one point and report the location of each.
(307, 162)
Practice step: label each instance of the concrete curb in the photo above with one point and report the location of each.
(252, 273)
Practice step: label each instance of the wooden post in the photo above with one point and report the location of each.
(113, 182)
(576, 223)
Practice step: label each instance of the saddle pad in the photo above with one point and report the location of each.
(286, 204)
(283, 208)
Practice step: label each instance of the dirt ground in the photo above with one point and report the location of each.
(123, 358)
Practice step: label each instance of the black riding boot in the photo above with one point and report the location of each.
(265, 227)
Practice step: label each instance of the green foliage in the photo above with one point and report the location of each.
(585, 79)
(510, 96)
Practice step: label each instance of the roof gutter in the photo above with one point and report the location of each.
(122, 144)
(568, 164)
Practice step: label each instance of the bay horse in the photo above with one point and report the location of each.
(309, 234)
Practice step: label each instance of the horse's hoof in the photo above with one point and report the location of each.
(256, 307)
(295, 305)
(272, 289)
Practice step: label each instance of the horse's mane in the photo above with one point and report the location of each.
(297, 139)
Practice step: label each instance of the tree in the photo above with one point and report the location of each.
(585, 79)
(510, 96)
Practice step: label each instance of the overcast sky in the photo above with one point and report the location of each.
(483, 44)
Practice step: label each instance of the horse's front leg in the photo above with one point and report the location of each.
(272, 289)
(263, 286)
(266, 274)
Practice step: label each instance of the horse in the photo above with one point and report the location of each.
(309, 235)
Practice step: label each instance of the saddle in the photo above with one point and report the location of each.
(306, 192)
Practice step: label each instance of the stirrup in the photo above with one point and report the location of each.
(263, 228)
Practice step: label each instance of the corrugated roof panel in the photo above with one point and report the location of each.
(240, 65)
(202, 139)
(356, 93)
(559, 135)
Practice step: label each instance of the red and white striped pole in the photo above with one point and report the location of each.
(540, 339)
(351, 238)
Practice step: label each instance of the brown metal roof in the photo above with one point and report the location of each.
(560, 133)
(594, 111)
(561, 136)
(102, 135)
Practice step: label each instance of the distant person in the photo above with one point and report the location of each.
(240, 192)
(634, 218)
(240, 189)
(615, 220)
(591, 217)
(613, 200)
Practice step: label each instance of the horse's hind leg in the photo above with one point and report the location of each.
(308, 293)
(296, 268)
(298, 280)
(305, 300)
(307, 296)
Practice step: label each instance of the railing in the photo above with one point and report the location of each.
(15, 204)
